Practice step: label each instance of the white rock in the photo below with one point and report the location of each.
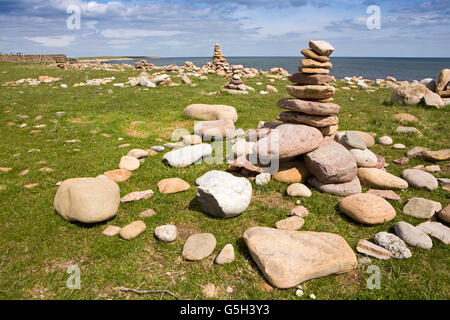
(223, 195)
(166, 233)
(364, 158)
(394, 244)
(226, 255)
(186, 156)
(129, 163)
(385, 140)
(262, 179)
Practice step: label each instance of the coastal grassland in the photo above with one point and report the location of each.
(37, 245)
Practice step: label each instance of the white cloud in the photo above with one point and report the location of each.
(53, 42)
(137, 33)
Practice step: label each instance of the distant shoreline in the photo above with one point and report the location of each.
(105, 59)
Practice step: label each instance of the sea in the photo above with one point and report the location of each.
(369, 68)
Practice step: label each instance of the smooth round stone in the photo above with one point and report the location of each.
(367, 208)
(118, 175)
(385, 141)
(157, 148)
(172, 185)
(399, 146)
(299, 190)
(147, 213)
(366, 137)
(352, 140)
(405, 117)
(378, 178)
(132, 230)
(420, 179)
(288, 141)
(129, 163)
(226, 255)
(337, 189)
(137, 153)
(292, 223)
(166, 233)
(413, 236)
(291, 172)
(364, 158)
(211, 112)
(199, 246)
(299, 211)
(444, 214)
(394, 244)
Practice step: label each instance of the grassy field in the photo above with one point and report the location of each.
(37, 245)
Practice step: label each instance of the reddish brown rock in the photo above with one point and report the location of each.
(311, 92)
(308, 53)
(172, 185)
(405, 117)
(118, 175)
(307, 78)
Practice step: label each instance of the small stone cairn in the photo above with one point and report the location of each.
(311, 91)
(219, 60)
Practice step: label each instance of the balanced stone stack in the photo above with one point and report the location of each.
(219, 60)
(311, 91)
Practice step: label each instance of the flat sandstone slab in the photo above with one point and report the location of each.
(287, 258)
(309, 107)
(311, 92)
(312, 120)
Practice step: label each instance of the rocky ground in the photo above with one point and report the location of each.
(55, 129)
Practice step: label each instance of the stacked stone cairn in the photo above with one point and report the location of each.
(311, 91)
(236, 85)
(219, 61)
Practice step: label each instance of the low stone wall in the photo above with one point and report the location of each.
(33, 58)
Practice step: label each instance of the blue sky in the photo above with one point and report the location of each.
(183, 28)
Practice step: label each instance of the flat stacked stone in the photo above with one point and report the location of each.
(219, 60)
(312, 95)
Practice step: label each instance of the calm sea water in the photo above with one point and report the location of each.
(370, 68)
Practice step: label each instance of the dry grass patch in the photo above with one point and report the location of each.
(273, 200)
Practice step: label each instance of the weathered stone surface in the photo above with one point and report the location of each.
(291, 172)
(312, 55)
(211, 112)
(298, 190)
(377, 178)
(309, 79)
(287, 258)
(409, 94)
(138, 153)
(186, 156)
(192, 139)
(129, 163)
(263, 179)
(137, 195)
(223, 195)
(329, 131)
(436, 230)
(310, 63)
(401, 129)
(311, 92)
(444, 78)
(292, 223)
(118, 175)
(243, 163)
(412, 235)
(312, 120)
(199, 246)
(366, 137)
(166, 233)
(440, 155)
(370, 249)
(420, 179)
(352, 139)
(416, 151)
(337, 189)
(226, 255)
(444, 214)
(405, 117)
(215, 130)
(367, 208)
(394, 244)
(364, 158)
(288, 141)
(432, 99)
(299, 211)
(309, 107)
(385, 194)
(172, 185)
(331, 163)
(385, 141)
(147, 213)
(87, 200)
(132, 230)
(314, 70)
(421, 208)
(321, 47)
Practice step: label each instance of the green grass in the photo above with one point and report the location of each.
(37, 245)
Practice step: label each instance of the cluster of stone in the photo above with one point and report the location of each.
(219, 60)
(236, 85)
(143, 65)
(311, 91)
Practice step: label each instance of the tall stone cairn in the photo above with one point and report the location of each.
(219, 60)
(312, 94)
